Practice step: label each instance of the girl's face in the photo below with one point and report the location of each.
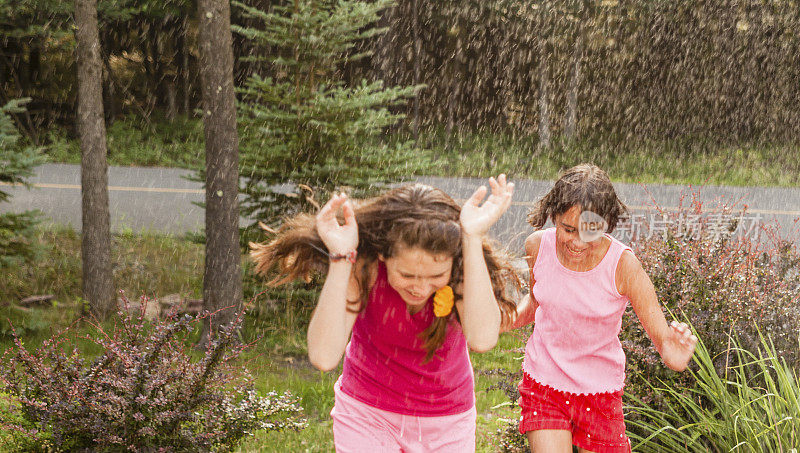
(416, 274)
(574, 252)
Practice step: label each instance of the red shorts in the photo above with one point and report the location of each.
(595, 421)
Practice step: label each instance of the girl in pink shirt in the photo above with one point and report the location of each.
(581, 281)
(396, 266)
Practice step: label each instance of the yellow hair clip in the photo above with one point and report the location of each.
(443, 302)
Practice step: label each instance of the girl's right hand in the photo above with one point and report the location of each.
(678, 347)
(477, 218)
(339, 239)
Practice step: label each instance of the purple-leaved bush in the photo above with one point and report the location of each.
(144, 392)
(724, 284)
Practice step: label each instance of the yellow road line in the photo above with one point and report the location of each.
(113, 188)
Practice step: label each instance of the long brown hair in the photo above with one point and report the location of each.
(411, 216)
(585, 185)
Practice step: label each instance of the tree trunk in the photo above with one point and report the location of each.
(544, 102)
(34, 63)
(417, 63)
(456, 81)
(156, 93)
(172, 105)
(109, 94)
(222, 283)
(574, 83)
(183, 66)
(98, 283)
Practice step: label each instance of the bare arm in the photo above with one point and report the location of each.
(331, 322)
(479, 312)
(674, 342)
(526, 308)
(480, 315)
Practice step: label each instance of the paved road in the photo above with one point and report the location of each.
(161, 199)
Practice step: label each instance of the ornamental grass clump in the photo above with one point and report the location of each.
(143, 392)
(751, 406)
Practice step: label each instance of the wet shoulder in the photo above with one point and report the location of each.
(628, 268)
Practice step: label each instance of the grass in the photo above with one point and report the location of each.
(697, 161)
(144, 264)
(752, 407)
(132, 141)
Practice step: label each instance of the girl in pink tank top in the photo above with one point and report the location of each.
(410, 285)
(581, 281)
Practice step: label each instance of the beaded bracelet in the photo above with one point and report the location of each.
(349, 256)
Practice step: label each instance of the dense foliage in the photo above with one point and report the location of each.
(305, 126)
(142, 391)
(16, 166)
(726, 278)
(655, 70)
(680, 74)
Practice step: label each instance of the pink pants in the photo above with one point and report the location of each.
(359, 427)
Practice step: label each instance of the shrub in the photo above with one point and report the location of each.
(722, 281)
(508, 437)
(143, 392)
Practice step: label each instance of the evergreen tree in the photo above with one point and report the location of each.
(16, 164)
(303, 127)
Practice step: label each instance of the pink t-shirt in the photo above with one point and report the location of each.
(575, 345)
(383, 363)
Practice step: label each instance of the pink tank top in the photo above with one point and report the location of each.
(384, 361)
(575, 345)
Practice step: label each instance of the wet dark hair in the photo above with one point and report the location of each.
(585, 185)
(411, 216)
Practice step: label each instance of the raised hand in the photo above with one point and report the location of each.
(678, 347)
(338, 238)
(477, 218)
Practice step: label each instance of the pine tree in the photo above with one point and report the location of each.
(16, 165)
(302, 126)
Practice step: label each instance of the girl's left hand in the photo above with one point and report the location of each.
(476, 219)
(679, 346)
